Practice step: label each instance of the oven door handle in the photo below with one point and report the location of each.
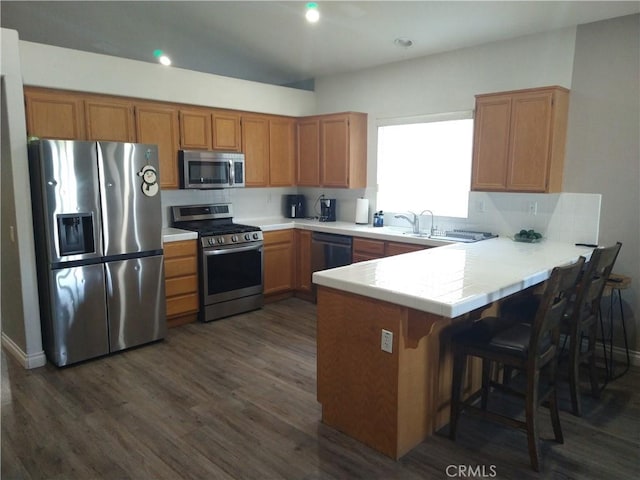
(223, 251)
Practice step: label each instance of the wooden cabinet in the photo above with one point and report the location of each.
(52, 114)
(195, 129)
(396, 248)
(156, 123)
(308, 152)
(519, 140)
(303, 261)
(181, 281)
(109, 119)
(279, 261)
(366, 249)
(332, 150)
(226, 131)
(255, 145)
(282, 151)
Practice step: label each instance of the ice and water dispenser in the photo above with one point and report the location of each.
(75, 233)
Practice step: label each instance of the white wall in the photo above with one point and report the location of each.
(55, 67)
(603, 142)
(20, 312)
(447, 82)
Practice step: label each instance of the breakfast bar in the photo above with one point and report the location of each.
(392, 400)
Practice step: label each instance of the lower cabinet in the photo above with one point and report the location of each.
(304, 285)
(181, 281)
(279, 262)
(367, 249)
(287, 260)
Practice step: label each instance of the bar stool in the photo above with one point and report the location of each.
(528, 346)
(614, 286)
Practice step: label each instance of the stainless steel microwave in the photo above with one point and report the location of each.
(205, 169)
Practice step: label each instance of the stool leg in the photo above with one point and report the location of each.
(459, 361)
(553, 402)
(604, 346)
(593, 374)
(574, 371)
(531, 421)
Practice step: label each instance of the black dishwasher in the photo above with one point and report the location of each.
(329, 250)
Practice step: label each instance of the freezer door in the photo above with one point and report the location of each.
(66, 194)
(130, 197)
(75, 328)
(135, 301)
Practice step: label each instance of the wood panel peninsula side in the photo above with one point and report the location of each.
(393, 401)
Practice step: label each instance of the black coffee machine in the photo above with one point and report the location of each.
(294, 206)
(327, 209)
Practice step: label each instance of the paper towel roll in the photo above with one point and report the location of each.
(362, 210)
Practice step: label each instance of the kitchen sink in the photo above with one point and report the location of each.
(418, 235)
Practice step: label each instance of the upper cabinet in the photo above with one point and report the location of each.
(157, 123)
(226, 131)
(109, 119)
(519, 140)
(308, 157)
(282, 151)
(52, 114)
(195, 129)
(255, 146)
(336, 150)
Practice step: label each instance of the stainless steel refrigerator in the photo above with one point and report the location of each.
(98, 235)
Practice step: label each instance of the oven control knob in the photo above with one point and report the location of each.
(256, 236)
(247, 236)
(234, 238)
(210, 241)
(220, 239)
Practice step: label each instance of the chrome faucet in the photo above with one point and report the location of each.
(430, 213)
(415, 223)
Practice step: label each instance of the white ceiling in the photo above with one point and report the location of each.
(271, 42)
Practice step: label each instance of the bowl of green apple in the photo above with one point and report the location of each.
(528, 236)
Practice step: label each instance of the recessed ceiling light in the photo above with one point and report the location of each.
(403, 42)
(312, 15)
(162, 58)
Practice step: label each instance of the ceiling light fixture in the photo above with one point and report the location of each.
(403, 42)
(312, 15)
(162, 58)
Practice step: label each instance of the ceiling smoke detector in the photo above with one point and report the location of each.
(403, 42)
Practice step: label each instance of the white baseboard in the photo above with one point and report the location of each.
(28, 361)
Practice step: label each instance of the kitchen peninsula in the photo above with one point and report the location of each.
(393, 401)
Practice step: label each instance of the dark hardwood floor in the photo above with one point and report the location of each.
(236, 399)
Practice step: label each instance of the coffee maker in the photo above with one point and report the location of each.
(294, 206)
(327, 209)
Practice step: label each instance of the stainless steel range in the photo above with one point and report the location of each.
(230, 258)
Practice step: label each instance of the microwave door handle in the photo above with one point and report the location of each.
(232, 173)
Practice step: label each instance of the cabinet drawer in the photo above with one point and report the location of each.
(181, 285)
(361, 245)
(182, 304)
(396, 248)
(184, 248)
(178, 267)
(278, 236)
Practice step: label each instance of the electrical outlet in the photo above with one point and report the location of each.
(533, 208)
(386, 343)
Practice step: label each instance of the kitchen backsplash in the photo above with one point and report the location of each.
(566, 217)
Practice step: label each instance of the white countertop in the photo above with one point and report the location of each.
(397, 234)
(176, 235)
(455, 279)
